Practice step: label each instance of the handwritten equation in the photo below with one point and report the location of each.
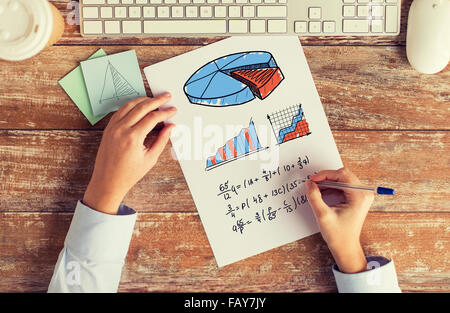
(256, 209)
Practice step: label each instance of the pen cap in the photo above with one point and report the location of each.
(385, 191)
(27, 27)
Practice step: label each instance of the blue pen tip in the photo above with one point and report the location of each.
(385, 191)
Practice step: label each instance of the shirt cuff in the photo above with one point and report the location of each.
(381, 277)
(98, 236)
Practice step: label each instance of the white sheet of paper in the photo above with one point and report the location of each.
(237, 197)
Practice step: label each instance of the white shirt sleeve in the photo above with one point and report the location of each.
(381, 277)
(94, 251)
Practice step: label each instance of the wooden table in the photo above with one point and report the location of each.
(391, 125)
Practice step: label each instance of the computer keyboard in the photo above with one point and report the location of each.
(131, 18)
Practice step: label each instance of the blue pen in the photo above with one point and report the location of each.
(343, 186)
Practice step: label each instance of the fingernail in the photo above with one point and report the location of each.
(167, 95)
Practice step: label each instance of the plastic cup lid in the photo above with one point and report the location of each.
(25, 28)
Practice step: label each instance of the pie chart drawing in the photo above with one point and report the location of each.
(234, 79)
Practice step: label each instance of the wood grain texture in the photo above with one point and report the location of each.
(391, 127)
(170, 252)
(360, 88)
(49, 171)
(72, 34)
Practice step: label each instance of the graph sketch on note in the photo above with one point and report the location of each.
(112, 80)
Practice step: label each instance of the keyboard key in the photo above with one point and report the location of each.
(248, 11)
(191, 11)
(177, 12)
(238, 26)
(276, 26)
(391, 19)
(120, 12)
(134, 12)
(206, 11)
(377, 10)
(272, 11)
(257, 26)
(329, 26)
(93, 1)
(355, 26)
(148, 12)
(234, 11)
(349, 10)
(106, 12)
(185, 27)
(112, 27)
(314, 27)
(315, 13)
(163, 12)
(90, 12)
(363, 10)
(377, 26)
(220, 11)
(92, 27)
(131, 27)
(301, 27)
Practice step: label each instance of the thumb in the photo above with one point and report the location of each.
(320, 208)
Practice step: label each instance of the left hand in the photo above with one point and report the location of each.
(122, 159)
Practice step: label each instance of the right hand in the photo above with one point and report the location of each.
(341, 224)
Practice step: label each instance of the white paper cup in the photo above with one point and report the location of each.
(27, 27)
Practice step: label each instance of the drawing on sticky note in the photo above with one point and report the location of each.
(244, 144)
(112, 80)
(234, 79)
(289, 124)
(115, 86)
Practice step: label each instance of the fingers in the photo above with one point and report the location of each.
(127, 107)
(320, 208)
(145, 125)
(160, 143)
(342, 175)
(143, 108)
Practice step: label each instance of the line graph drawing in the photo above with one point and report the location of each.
(244, 144)
(115, 86)
(234, 79)
(289, 124)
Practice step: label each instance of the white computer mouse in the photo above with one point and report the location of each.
(428, 35)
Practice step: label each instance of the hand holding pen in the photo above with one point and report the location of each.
(341, 224)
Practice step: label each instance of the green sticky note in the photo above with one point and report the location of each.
(113, 80)
(73, 84)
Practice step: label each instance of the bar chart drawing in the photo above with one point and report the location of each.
(244, 144)
(289, 124)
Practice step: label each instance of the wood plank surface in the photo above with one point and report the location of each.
(360, 88)
(390, 124)
(49, 171)
(170, 252)
(72, 34)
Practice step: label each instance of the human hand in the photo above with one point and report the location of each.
(341, 224)
(122, 159)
